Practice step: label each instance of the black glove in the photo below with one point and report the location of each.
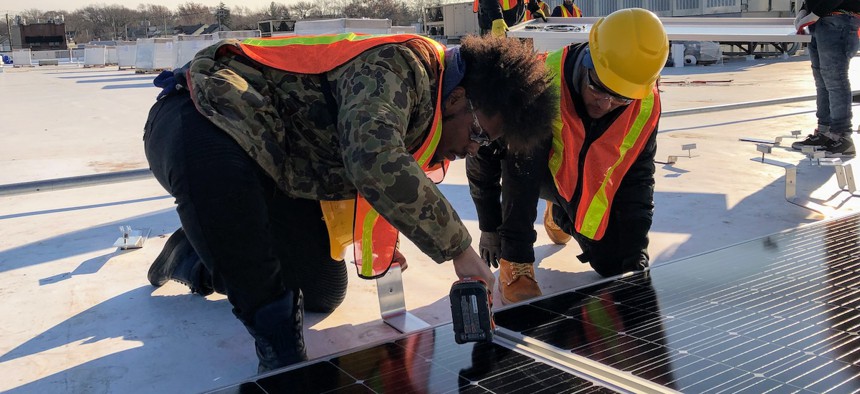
(490, 248)
(539, 14)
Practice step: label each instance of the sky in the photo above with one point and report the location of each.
(13, 6)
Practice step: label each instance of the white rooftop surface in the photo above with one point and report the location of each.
(78, 315)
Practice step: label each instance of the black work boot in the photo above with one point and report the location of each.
(815, 139)
(179, 261)
(842, 147)
(277, 332)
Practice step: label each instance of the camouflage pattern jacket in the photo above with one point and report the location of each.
(380, 107)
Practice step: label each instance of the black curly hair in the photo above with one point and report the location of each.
(504, 76)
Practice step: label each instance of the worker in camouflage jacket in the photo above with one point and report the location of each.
(259, 140)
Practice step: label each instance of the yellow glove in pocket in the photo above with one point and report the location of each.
(500, 28)
(339, 217)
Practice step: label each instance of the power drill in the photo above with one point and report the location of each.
(472, 311)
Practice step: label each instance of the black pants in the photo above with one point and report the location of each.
(506, 188)
(252, 236)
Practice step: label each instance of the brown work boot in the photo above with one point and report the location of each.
(555, 233)
(517, 282)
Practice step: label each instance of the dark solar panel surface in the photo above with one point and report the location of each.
(424, 362)
(776, 314)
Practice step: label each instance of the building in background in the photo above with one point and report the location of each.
(39, 36)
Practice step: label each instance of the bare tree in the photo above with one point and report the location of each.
(222, 15)
(119, 19)
(77, 28)
(53, 15)
(157, 16)
(242, 18)
(333, 9)
(416, 7)
(304, 10)
(407, 14)
(192, 13)
(276, 11)
(94, 24)
(377, 9)
(115, 21)
(355, 9)
(32, 15)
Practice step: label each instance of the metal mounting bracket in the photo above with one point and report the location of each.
(672, 159)
(392, 302)
(844, 178)
(764, 149)
(844, 173)
(131, 238)
(777, 141)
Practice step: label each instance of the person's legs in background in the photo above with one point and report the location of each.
(822, 99)
(834, 43)
(223, 200)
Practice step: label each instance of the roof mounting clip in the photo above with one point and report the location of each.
(674, 158)
(131, 238)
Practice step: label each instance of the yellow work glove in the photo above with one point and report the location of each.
(500, 28)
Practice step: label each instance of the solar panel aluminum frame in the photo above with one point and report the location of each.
(589, 369)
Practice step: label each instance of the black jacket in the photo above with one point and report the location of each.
(510, 207)
(824, 7)
(490, 10)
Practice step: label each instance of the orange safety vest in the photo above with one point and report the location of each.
(543, 7)
(506, 5)
(607, 159)
(566, 14)
(375, 240)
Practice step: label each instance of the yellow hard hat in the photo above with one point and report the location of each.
(629, 47)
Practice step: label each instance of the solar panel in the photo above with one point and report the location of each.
(429, 361)
(775, 313)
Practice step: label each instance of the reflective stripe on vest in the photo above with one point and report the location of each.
(608, 158)
(507, 4)
(567, 14)
(543, 6)
(374, 239)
